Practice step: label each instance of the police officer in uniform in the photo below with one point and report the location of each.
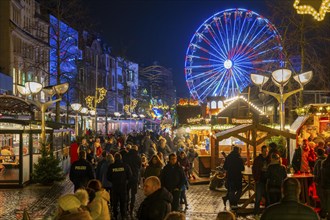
(81, 171)
(119, 174)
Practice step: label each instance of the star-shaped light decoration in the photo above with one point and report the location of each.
(307, 9)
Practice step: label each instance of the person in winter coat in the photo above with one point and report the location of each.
(154, 167)
(99, 206)
(234, 166)
(74, 151)
(163, 147)
(259, 170)
(317, 180)
(275, 174)
(325, 181)
(102, 169)
(119, 175)
(157, 203)
(133, 160)
(173, 179)
(71, 208)
(81, 171)
(184, 162)
(191, 155)
(289, 208)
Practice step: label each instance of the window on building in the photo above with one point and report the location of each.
(213, 105)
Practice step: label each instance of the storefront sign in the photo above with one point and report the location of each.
(241, 120)
(194, 120)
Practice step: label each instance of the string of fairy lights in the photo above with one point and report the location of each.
(307, 9)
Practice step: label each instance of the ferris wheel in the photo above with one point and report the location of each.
(226, 49)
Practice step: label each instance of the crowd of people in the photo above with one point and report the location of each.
(273, 183)
(111, 169)
(107, 172)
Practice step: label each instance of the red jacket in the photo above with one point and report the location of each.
(74, 152)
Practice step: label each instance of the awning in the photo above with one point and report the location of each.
(13, 105)
(298, 123)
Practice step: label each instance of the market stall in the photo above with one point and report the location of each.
(19, 141)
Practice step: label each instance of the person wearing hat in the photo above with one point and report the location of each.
(71, 208)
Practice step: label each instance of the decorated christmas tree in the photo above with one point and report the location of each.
(47, 170)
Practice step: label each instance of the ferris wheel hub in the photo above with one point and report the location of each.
(228, 64)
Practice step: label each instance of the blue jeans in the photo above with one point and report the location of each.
(260, 192)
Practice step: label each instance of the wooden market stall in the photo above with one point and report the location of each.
(249, 126)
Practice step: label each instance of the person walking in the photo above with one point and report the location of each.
(234, 166)
(259, 170)
(276, 173)
(74, 151)
(134, 162)
(99, 206)
(119, 174)
(81, 171)
(154, 167)
(289, 207)
(317, 180)
(173, 179)
(325, 181)
(157, 203)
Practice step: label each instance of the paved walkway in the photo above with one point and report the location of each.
(40, 201)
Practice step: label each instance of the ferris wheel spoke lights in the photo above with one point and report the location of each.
(226, 49)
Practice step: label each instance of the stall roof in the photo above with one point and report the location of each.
(235, 132)
(13, 105)
(296, 125)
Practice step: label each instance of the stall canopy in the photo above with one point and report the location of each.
(13, 105)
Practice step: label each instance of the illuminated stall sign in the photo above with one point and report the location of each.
(241, 120)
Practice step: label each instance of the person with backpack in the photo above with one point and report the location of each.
(275, 175)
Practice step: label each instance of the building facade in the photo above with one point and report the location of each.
(24, 44)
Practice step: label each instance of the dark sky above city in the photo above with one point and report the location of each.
(148, 31)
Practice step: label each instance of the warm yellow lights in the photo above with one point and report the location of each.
(92, 101)
(307, 9)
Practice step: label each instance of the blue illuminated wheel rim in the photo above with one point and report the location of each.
(226, 49)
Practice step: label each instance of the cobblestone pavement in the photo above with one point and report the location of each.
(40, 201)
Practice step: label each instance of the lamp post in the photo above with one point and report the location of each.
(92, 102)
(142, 116)
(280, 78)
(76, 107)
(32, 88)
(83, 111)
(118, 114)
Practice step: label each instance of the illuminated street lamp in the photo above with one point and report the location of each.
(32, 88)
(280, 78)
(83, 111)
(76, 107)
(118, 114)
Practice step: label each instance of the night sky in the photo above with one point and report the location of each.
(148, 31)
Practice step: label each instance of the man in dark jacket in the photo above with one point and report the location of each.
(325, 181)
(157, 203)
(259, 169)
(276, 173)
(234, 166)
(133, 160)
(173, 179)
(289, 208)
(119, 174)
(317, 179)
(81, 171)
